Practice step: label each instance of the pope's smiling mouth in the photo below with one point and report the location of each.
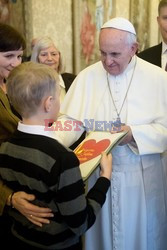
(112, 66)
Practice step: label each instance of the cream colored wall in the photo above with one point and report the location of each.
(51, 18)
(122, 8)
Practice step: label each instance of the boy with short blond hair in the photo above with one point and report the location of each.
(33, 161)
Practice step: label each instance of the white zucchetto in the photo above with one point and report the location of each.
(120, 23)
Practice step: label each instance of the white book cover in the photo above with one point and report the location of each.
(90, 149)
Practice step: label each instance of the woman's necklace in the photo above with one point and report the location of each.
(117, 123)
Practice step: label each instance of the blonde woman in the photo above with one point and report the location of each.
(46, 52)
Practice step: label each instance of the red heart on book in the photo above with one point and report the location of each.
(91, 149)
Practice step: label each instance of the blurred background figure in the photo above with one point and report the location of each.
(4, 11)
(46, 52)
(158, 54)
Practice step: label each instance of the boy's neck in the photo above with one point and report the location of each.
(33, 121)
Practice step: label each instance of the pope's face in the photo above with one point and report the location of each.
(116, 53)
(162, 21)
(8, 61)
(50, 56)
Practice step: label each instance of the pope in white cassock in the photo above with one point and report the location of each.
(124, 87)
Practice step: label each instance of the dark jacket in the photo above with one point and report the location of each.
(152, 54)
(68, 78)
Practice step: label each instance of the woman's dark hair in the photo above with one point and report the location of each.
(10, 39)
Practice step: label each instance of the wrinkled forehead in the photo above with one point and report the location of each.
(51, 48)
(114, 34)
(111, 37)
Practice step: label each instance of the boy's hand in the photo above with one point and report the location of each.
(106, 165)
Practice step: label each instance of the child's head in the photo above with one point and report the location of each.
(33, 88)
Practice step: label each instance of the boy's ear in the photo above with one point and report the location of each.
(48, 103)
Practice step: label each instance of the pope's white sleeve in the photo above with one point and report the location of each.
(150, 138)
(68, 130)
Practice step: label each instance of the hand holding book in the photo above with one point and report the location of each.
(106, 165)
(128, 138)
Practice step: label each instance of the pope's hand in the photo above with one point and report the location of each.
(129, 137)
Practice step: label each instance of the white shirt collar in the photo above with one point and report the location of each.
(38, 130)
(164, 48)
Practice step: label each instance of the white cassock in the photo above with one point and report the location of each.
(134, 216)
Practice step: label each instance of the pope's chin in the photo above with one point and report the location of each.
(113, 71)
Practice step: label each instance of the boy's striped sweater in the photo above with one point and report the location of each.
(41, 166)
